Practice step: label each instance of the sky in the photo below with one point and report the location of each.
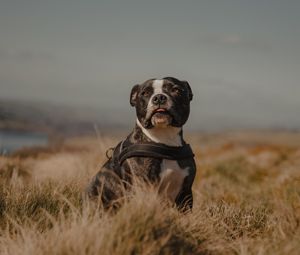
(241, 58)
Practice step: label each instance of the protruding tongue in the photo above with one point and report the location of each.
(160, 110)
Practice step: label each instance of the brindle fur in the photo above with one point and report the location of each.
(112, 180)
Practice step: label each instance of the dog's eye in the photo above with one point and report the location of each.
(176, 90)
(145, 93)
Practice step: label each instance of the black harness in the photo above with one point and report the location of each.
(151, 150)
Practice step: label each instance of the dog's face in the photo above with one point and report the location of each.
(162, 103)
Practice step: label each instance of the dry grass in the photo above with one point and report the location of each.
(247, 201)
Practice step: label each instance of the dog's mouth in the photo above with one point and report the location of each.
(161, 117)
(160, 112)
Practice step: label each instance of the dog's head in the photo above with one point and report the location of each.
(162, 103)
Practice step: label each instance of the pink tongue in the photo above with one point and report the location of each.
(160, 110)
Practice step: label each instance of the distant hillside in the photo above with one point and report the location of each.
(52, 118)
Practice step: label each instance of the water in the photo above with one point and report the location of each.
(11, 141)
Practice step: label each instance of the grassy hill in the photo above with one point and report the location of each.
(247, 201)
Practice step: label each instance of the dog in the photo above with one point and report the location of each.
(155, 150)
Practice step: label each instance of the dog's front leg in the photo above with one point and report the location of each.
(107, 187)
(184, 200)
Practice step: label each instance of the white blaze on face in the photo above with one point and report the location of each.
(157, 89)
(157, 85)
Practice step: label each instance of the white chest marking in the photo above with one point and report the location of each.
(171, 179)
(169, 135)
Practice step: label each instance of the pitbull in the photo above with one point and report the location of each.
(162, 108)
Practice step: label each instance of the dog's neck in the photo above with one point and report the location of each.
(171, 136)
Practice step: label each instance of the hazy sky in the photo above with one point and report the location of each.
(242, 58)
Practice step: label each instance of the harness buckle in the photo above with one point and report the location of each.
(109, 153)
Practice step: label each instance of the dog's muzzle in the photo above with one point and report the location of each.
(159, 99)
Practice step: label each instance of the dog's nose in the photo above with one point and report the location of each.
(159, 99)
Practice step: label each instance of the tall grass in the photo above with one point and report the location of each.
(240, 207)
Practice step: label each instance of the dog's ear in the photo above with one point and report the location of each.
(189, 89)
(133, 94)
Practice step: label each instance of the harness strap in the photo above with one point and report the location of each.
(155, 150)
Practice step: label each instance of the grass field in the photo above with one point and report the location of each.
(246, 201)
